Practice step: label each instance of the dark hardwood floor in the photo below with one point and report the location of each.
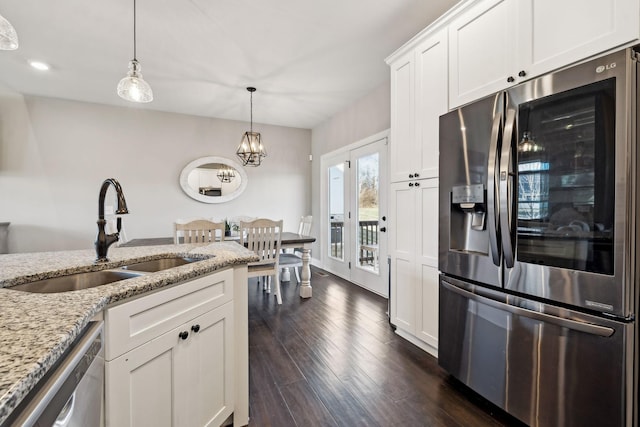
(334, 360)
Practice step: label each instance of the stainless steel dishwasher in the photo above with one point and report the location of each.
(71, 394)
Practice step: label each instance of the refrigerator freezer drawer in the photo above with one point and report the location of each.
(542, 364)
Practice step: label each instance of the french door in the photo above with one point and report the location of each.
(355, 212)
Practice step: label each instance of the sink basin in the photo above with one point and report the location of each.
(160, 264)
(75, 282)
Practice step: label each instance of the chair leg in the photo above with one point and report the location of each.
(297, 269)
(267, 283)
(277, 288)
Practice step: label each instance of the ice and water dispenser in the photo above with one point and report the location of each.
(468, 231)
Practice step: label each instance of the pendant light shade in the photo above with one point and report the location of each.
(251, 151)
(133, 87)
(8, 35)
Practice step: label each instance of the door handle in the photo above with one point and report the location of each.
(507, 199)
(492, 190)
(590, 328)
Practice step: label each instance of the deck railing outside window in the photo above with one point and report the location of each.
(367, 236)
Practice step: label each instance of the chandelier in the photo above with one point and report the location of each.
(226, 175)
(251, 151)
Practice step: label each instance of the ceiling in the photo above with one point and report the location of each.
(309, 59)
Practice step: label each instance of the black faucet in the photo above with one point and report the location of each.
(104, 240)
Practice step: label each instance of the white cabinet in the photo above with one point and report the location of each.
(497, 43)
(170, 356)
(419, 93)
(403, 145)
(418, 98)
(413, 234)
(558, 33)
(482, 50)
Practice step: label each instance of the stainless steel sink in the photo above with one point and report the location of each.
(160, 264)
(75, 282)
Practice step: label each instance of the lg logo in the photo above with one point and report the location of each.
(602, 68)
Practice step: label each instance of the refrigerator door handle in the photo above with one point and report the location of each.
(506, 196)
(492, 190)
(589, 328)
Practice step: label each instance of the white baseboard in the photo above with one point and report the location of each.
(418, 343)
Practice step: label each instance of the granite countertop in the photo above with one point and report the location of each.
(36, 328)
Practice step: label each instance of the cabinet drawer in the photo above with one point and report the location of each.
(133, 323)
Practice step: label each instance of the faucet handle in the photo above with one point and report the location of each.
(119, 224)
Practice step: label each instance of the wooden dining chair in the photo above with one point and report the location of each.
(294, 259)
(263, 236)
(197, 231)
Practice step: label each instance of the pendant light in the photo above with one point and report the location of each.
(133, 87)
(226, 174)
(251, 151)
(8, 35)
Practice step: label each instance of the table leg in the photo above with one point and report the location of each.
(305, 285)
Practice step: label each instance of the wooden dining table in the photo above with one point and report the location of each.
(288, 240)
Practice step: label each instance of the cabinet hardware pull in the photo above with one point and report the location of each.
(410, 175)
(417, 184)
(195, 328)
(383, 229)
(522, 73)
(510, 79)
(411, 184)
(416, 175)
(183, 335)
(384, 218)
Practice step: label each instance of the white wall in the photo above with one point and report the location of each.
(54, 155)
(368, 116)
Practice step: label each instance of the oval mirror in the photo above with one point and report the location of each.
(213, 179)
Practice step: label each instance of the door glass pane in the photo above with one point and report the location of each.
(566, 177)
(368, 210)
(336, 211)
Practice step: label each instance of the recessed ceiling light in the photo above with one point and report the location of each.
(39, 65)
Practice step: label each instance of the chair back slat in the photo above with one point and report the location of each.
(305, 225)
(262, 236)
(198, 231)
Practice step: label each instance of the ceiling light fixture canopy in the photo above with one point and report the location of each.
(8, 35)
(133, 87)
(251, 151)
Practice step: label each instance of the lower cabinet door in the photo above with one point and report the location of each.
(208, 391)
(139, 384)
(181, 378)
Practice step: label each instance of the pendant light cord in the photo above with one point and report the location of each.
(251, 123)
(134, 30)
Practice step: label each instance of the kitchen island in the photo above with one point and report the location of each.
(37, 328)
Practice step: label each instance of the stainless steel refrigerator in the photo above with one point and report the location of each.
(537, 245)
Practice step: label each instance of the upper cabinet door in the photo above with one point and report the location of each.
(418, 98)
(553, 34)
(403, 146)
(482, 51)
(499, 43)
(431, 99)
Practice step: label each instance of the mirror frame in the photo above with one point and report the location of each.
(184, 179)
